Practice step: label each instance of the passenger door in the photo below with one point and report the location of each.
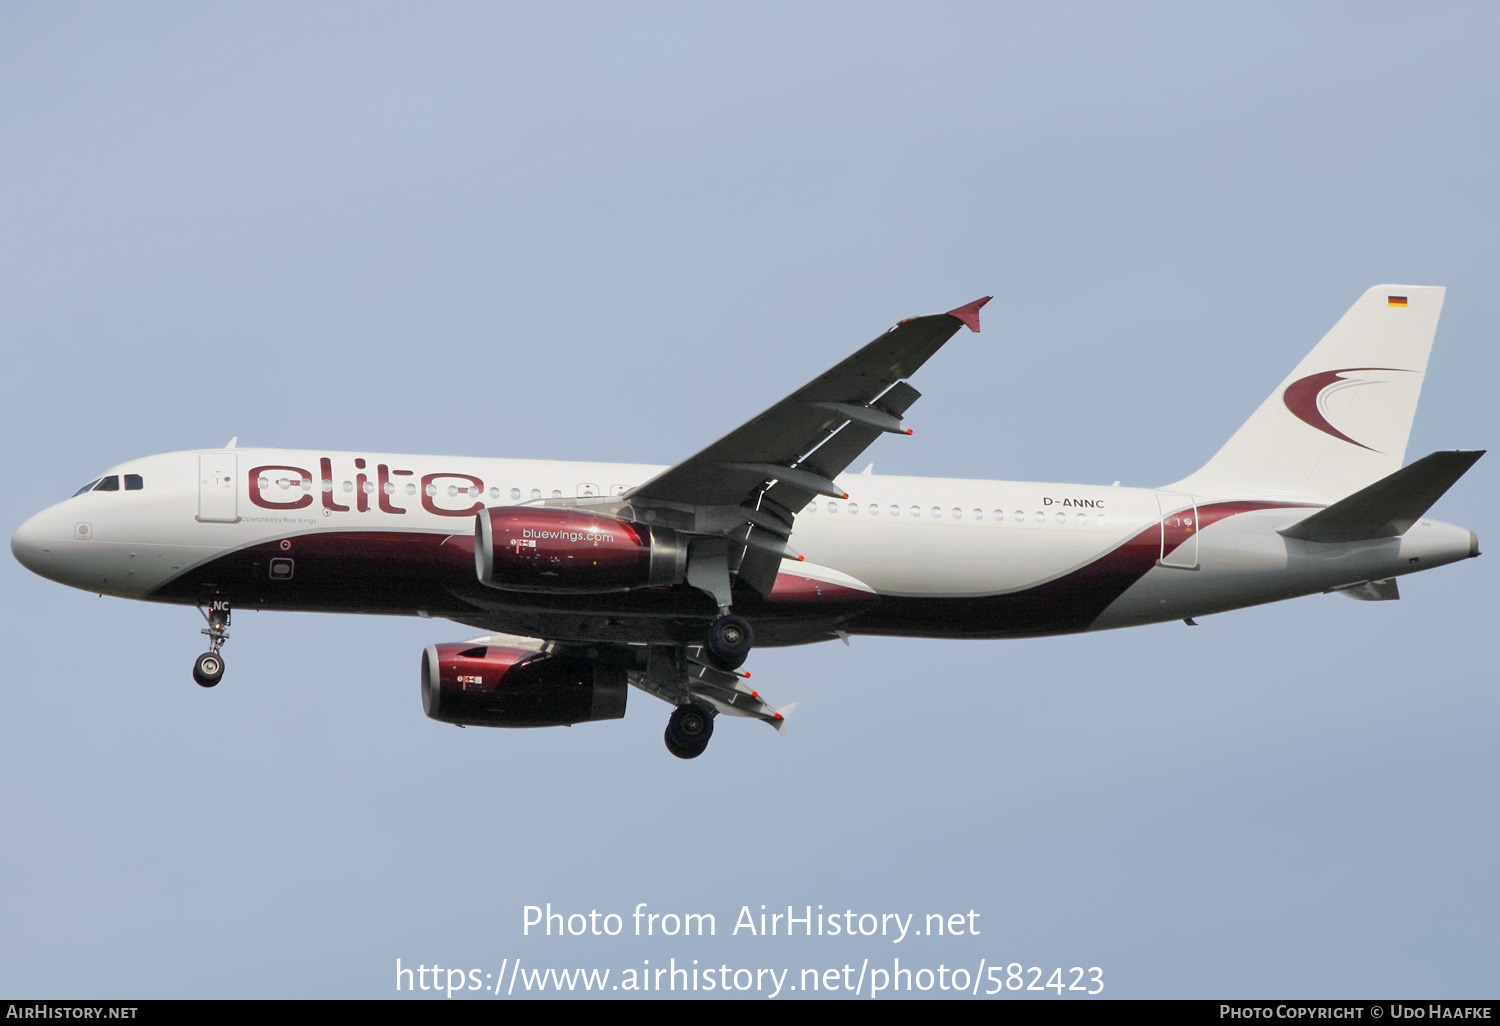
(1178, 515)
(218, 501)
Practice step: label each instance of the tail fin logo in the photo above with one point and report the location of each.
(1306, 397)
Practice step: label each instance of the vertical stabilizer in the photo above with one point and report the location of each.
(1340, 421)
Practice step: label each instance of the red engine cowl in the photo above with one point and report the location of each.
(495, 686)
(567, 550)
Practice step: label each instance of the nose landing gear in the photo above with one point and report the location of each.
(208, 669)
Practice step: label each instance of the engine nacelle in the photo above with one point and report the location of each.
(521, 548)
(495, 686)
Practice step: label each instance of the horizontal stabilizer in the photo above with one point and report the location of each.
(1372, 591)
(1387, 508)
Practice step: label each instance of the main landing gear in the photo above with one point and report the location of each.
(726, 648)
(701, 679)
(689, 729)
(729, 642)
(208, 669)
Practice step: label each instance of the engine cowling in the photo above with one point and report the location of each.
(499, 686)
(569, 550)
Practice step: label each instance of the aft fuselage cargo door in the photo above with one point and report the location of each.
(1179, 530)
(217, 501)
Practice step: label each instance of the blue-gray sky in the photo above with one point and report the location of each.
(615, 232)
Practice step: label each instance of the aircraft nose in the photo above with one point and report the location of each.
(32, 544)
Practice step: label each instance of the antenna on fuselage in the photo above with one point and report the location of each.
(230, 443)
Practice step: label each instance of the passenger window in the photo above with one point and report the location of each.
(536, 493)
(936, 512)
(133, 482)
(86, 488)
(108, 484)
(915, 511)
(874, 509)
(833, 507)
(895, 510)
(515, 493)
(979, 514)
(958, 514)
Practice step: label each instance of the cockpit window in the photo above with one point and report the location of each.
(108, 484)
(133, 482)
(87, 488)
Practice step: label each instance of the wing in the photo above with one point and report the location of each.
(748, 484)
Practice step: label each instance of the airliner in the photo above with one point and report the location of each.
(590, 578)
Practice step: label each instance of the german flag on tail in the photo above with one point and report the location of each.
(1396, 301)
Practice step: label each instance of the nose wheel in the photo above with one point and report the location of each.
(688, 730)
(208, 669)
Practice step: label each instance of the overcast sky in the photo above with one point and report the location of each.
(617, 231)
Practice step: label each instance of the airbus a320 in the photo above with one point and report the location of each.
(590, 578)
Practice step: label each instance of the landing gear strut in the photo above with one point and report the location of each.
(729, 642)
(689, 729)
(208, 669)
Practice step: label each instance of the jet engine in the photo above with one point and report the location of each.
(570, 550)
(498, 686)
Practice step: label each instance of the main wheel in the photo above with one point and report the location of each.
(688, 731)
(208, 670)
(679, 750)
(729, 642)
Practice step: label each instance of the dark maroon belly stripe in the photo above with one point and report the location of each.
(403, 572)
(1066, 605)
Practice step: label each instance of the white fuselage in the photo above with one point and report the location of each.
(1101, 556)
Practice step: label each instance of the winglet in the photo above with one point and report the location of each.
(969, 312)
